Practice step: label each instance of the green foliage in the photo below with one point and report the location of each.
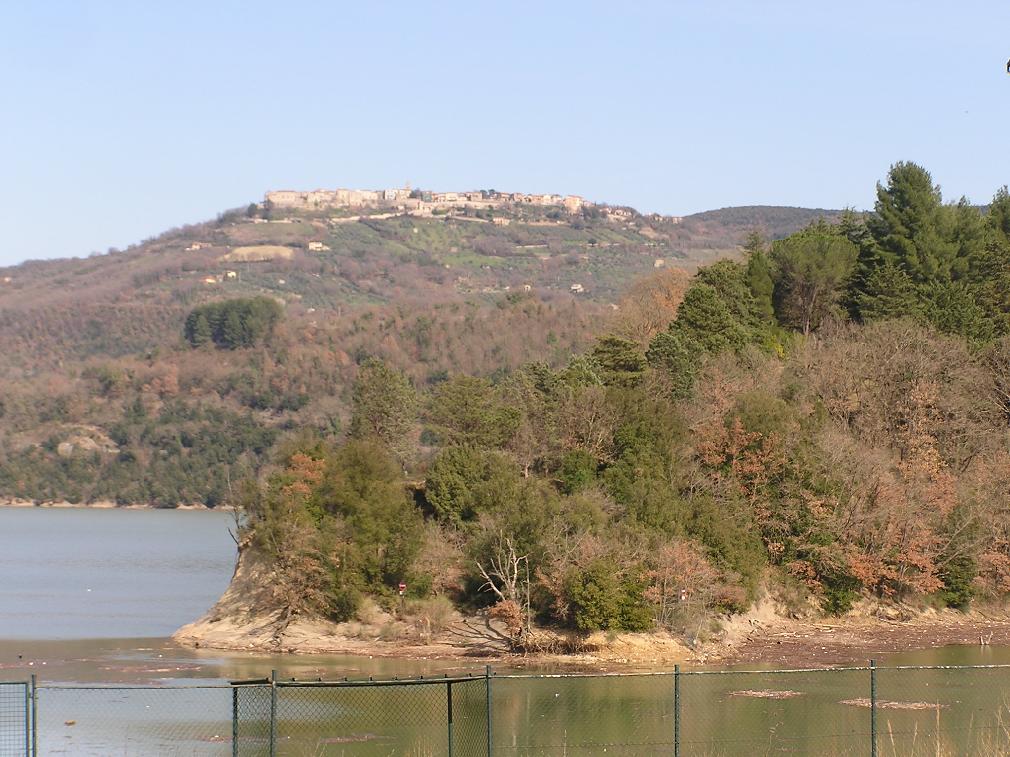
(998, 217)
(841, 591)
(673, 356)
(232, 324)
(384, 407)
(908, 224)
(958, 575)
(888, 292)
(812, 270)
(600, 599)
(759, 277)
(577, 471)
(952, 309)
(621, 361)
(363, 487)
(468, 410)
(707, 320)
(465, 481)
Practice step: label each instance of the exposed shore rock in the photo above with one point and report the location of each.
(241, 621)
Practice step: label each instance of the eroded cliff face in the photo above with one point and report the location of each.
(244, 617)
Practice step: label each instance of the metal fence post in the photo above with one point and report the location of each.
(676, 711)
(35, 716)
(28, 715)
(273, 713)
(448, 699)
(234, 721)
(487, 695)
(873, 708)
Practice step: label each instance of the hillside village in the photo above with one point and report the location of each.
(416, 201)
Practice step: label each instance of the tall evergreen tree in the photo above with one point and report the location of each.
(759, 276)
(908, 225)
(998, 217)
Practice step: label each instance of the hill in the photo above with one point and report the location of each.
(104, 401)
(823, 422)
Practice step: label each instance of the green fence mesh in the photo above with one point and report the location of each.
(409, 718)
(15, 713)
(135, 721)
(934, 710)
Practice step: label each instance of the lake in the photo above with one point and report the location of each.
(90, 596)
(74, 573)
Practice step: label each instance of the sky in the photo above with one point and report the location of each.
(121, 120)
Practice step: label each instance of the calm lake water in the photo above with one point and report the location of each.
(90, 596)
(109, 573)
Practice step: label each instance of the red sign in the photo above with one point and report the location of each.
(403, 588)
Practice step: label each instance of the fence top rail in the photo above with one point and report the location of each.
(773, 671)
(353, 682)
(293, 683)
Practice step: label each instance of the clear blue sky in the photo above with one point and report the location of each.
(122, 119)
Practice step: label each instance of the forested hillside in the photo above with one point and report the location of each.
(127, 377)
(828, 416)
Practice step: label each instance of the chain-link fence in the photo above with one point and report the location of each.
(15, 719)
(883, 712)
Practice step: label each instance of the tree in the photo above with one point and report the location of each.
(952, 309)
(468, 410)
(705, 319)
(729, 279)
(621, 361)
(759, 276)
(602, 598)
(384, 407)
(998, 216)
(888, 292)
(989, 279)
(464, 482)
(650, 305)
(812, 268)
(198, 332)
(362, 487)
(677, 360)
(232, 324)
(908, 224)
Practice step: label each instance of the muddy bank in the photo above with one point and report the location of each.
(858, 638)
(466, 640)
(759, 638)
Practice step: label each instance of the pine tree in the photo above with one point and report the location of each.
(952, 309)
(198, 331)
(998, 217)
(889, 292)
(813, 268)
(706, 319)
(384, 407)
(908, 225)
(759, 276)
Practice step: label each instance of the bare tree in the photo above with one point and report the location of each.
(507, 575)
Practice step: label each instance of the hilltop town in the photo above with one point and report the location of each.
(416, 201)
